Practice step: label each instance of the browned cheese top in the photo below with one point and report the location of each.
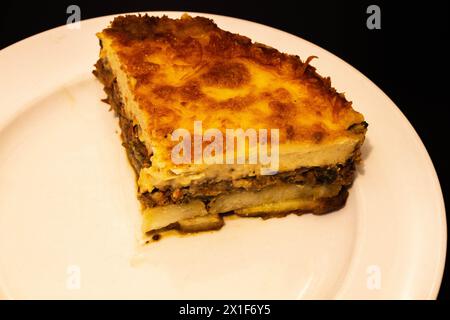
(188, 69)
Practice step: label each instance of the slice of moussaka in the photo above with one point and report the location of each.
(215, 124)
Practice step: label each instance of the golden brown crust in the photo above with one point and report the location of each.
(183, 68)
(187, 69)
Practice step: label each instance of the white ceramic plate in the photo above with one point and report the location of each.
(69, 214)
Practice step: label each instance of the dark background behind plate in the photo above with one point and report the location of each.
(406, 58)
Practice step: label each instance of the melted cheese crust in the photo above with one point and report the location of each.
(172, 72)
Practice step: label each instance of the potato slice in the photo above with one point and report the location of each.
(202, 223)
(160, 217)
(271, 194)
(277, 208)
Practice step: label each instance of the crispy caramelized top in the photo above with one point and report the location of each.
(187, 69)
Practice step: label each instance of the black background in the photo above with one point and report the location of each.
(407, 58)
